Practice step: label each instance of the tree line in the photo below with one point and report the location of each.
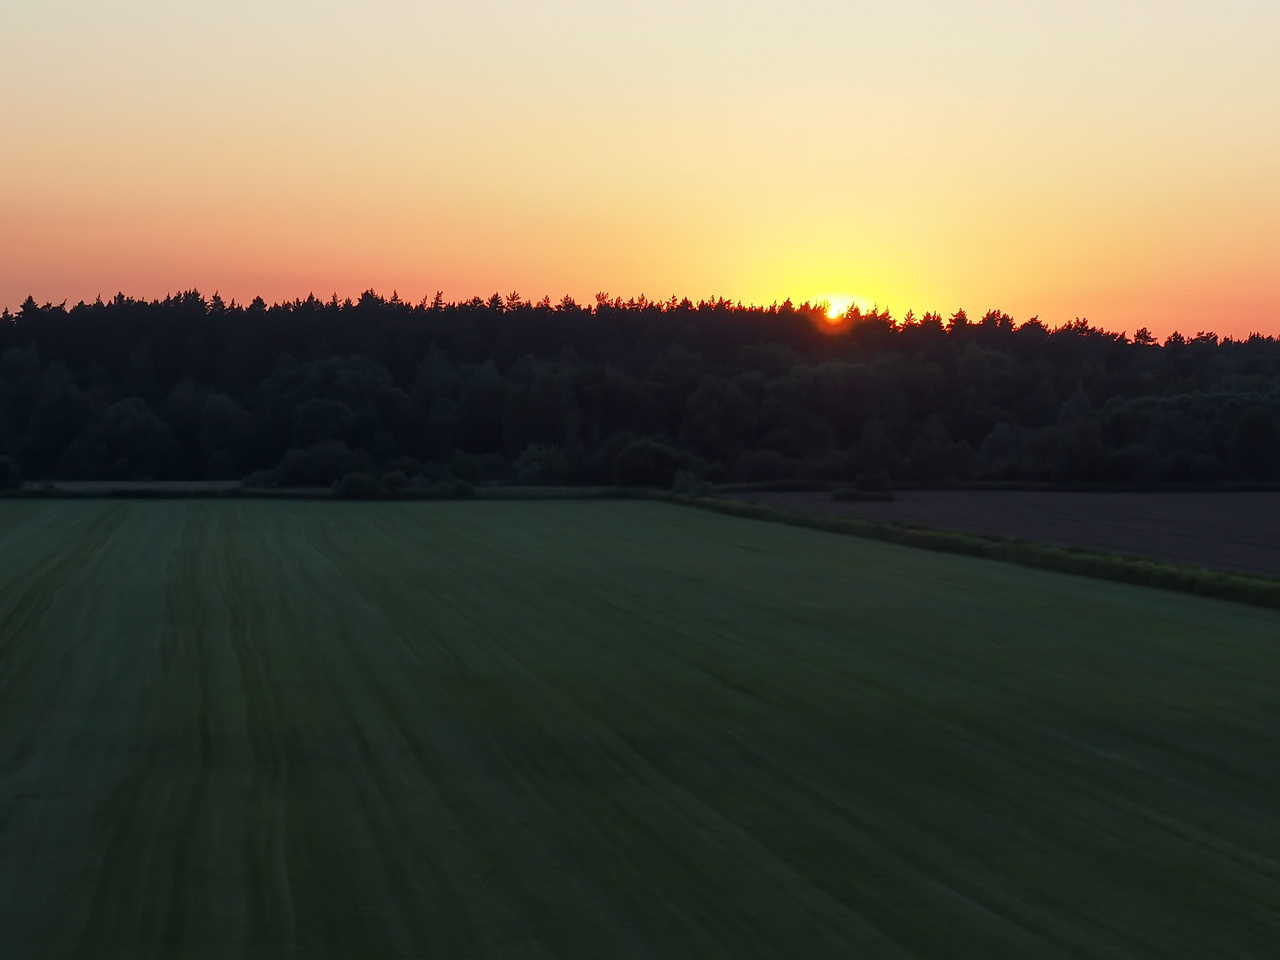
(504, 389)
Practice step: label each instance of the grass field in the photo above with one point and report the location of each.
(612, 729)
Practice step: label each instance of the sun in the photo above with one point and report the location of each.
(838, 304)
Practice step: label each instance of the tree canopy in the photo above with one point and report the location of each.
(501, 388)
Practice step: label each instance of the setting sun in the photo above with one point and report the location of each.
(839, 304)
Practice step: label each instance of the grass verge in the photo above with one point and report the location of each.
(1143, 571)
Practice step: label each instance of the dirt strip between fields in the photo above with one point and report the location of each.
(1229, 531)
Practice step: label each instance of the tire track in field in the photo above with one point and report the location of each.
(1011, 757)
(17, 514)
(1024, 753)
(191, 655)
(269, 899)
(697, 906)
(33, 593)
(626, 753)
(469, 730)
(296, 652)
(808, 800)
(443, 891)
(472, 811)
(82, 677)
(174, 869)
(767, 770)
(948, 731)
(137, 897)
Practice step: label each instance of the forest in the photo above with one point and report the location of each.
(633, 392)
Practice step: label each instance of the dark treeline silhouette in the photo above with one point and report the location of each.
(308, 392)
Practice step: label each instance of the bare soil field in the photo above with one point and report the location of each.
(1229, 531)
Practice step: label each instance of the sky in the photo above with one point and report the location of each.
(1115, 161)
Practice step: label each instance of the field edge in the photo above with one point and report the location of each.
(1259, 591)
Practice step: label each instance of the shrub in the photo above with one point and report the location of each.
(320, 466)
(646, 463)
(357, 486)
(395, 482)
(406, 465)
(492, 466)
(687, 484)
(872, 481)
(832, 465)
(541, 464)
(221, 466)
(10, 474)
(465, 467)
(444, 490)
(939, 461)
(261, 480)
(869, 485)
(760, 465)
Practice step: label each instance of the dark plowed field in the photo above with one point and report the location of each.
(1230, 531)
(612, 729)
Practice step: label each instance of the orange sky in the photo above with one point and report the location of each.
(1115, 161)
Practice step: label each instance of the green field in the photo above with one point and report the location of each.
(612, 729)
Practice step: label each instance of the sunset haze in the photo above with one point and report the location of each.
(1115, 161)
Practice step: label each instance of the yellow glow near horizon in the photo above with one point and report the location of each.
(839, 304)
(837, 307)
(1091, 159)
